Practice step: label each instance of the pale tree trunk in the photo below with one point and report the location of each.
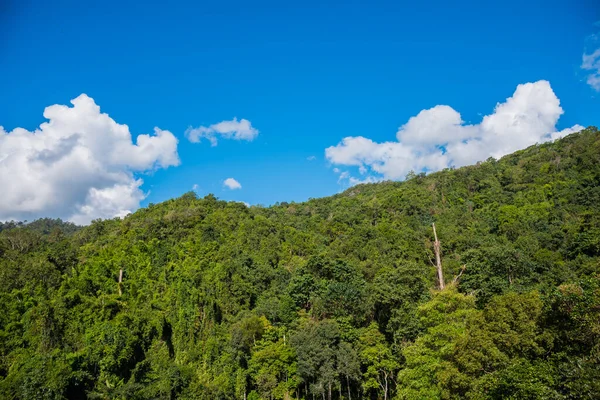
(385, 391)
(348, 382)
(457, 277)
(438, 259)
(120, 280)
(383, 385)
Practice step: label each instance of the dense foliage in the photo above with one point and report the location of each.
(333, 298)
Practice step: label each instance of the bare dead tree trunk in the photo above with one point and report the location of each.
(438, 259)
(120, 280)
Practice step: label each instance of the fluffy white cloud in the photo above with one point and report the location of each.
(232, 184)
(234, 129)
(438, 138)
(78, 166)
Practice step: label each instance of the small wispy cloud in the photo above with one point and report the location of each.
(234, 129)
(369, 179)
(343, 176)
(311, 158)
(232, 184)
(591, 60)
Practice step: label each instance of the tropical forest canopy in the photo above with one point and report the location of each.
(333, 298)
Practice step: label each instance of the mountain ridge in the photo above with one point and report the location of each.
(333, 297)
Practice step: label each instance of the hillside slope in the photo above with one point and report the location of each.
(330, 298)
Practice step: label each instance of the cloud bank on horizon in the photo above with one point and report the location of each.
(438, 138)
(80, 165)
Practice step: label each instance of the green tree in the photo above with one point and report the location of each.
(379, 363)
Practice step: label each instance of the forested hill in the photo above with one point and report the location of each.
(333, 298)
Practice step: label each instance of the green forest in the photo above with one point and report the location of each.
(332, 298)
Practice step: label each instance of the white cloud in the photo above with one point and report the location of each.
(369, 179)
(343, 176)
(234, 129)
(78, 166)
(566, 131)
(232, 184)
(591, 61)
(437, 138)
(195, 187)
(311, 158)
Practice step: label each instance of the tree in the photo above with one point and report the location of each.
(273, 366)
(316, 345)
(378, 361)
(348, 365)
(445, 318)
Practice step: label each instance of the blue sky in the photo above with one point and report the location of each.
(306, 75)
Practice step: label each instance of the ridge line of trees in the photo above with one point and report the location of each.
(336, 298)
